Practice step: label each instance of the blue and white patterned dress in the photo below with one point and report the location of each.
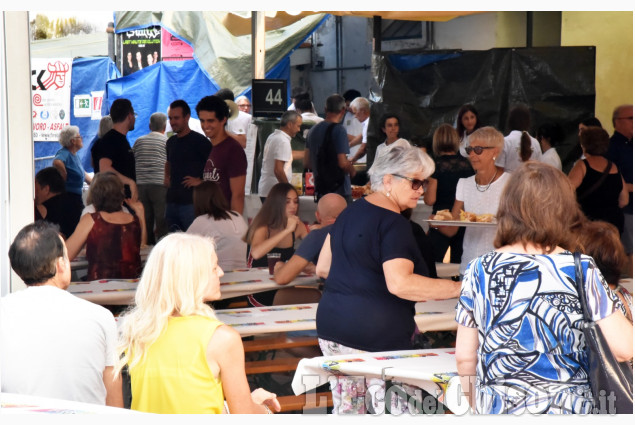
(531, 350)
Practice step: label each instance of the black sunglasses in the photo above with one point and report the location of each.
(477, 149)
(415, 183)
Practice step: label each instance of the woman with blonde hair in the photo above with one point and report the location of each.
(180, 357)
(519, 315)
(479, 194)
(449, 167)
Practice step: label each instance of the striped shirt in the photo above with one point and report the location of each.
(150, 157)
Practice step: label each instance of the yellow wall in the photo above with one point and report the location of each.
(612, 34)
(511, 29)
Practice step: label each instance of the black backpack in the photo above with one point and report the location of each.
(329, 174)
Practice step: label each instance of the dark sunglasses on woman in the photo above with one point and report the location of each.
(415, 183)
(477, 149)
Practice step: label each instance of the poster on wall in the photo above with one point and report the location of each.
(51, 97)
(140, 48)
(173, 48)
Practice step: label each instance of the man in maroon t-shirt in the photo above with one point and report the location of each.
(227, 163)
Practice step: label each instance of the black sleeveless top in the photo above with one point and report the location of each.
(603, 202)
(285, 254)
(266, 298)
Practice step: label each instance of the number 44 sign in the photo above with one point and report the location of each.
(269, 98)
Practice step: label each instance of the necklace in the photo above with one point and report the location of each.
(478, 186)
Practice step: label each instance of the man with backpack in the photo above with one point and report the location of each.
(326, 152)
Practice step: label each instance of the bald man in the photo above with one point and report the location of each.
(328, 208)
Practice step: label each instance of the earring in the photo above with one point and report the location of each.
(388, 194)
(494, 159)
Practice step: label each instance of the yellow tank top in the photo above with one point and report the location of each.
(174, 376)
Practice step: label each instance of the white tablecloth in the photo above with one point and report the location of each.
(433, 370)
(434, 315)
(233, 284)
(25, 404)
(261, 320)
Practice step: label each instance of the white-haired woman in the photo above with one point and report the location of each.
(180, 357)
(374, 270)
(480, 193)
(68, 163)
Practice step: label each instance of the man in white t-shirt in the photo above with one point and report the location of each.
(278, 156)
(351, 124)
(52, 343)
(361, 108)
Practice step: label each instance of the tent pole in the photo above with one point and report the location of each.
(258, 44)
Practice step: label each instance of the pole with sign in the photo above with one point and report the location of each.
(269, 98)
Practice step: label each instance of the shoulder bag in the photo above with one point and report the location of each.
(611, 381)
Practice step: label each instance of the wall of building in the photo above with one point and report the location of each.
(612, 34)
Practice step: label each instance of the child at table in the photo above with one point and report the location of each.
(180, 357)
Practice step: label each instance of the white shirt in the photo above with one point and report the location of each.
(478, 240)
(354, 149)
(277, 147)
(509, 158)
(551, 157)
(54, 344)
(240, 124)
(230, 248)
(310, 116)
(352, 124)
(382, 148)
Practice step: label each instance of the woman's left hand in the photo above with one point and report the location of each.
(263, 397)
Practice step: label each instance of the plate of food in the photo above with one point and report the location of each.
(360, 191)
(467, 219)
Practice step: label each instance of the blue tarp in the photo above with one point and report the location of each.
(150, 90)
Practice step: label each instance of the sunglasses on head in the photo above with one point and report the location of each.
(477, 149)
(415, 183)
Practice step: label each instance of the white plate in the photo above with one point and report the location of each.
(459, 223)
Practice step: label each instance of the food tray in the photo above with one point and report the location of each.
(433, 223)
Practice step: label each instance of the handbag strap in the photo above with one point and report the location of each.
(598, 182)
(579, 280)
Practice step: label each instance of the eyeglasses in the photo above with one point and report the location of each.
(477, 149)
(415, 183)
(245, 105)
(625, 118)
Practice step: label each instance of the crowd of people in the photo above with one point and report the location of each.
(185, 195)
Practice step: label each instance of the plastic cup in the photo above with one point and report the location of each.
(272, 259)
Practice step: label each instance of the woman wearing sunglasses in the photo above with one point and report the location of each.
(375, 273)
(480, 193)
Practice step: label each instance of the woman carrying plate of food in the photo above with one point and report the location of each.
(477, 196)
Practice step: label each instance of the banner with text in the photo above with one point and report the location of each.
(51, 97)
(140, 48)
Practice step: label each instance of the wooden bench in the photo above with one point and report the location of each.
(297, 403)
(278, 343)
(283, 364)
